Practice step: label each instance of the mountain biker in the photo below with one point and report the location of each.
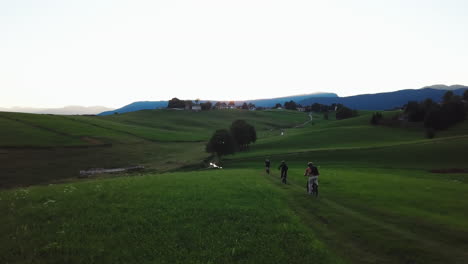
(312, 182)
(284, 171)
(267, 166)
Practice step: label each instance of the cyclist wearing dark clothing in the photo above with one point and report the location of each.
(267, 166)
(284, 171)
(312, 182)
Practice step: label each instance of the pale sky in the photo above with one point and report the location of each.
(111, 53)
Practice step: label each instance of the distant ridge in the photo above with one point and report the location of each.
(378, 101)
(136, 106)
(384, 101)
(446, 87)
(296, 98)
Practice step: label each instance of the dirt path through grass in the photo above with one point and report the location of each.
(361, 237)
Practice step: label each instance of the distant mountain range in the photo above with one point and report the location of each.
(379, 101)
(67, 110)
(281, 100)
(136, 106)
(445, 87)
(390, 100)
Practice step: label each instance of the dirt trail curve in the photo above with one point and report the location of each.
(308, 121)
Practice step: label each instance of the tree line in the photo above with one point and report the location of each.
(435, 116)
(177, 103)
(342, 112)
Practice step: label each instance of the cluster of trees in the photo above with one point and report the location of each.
(248, 106)
(375, 119)
(435, 116)
(206, 105)
(452, 110)
(291, 105)
(237, 138)
(321, 108)
(344, 112)
(177, 103)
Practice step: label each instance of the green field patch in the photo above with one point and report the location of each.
(24, 167)
(68, 126)
(332, 137)
(18, 134)
(388, 206)
(379, 201)
(188, 125)
(426, 155)
(141, 132)
(197, 217)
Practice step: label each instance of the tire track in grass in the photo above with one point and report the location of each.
(350, 251)
(428, 249)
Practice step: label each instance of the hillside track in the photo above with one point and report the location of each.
(327, 217)
(305, 123)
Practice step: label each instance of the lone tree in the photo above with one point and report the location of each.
(221, 143)
(245, 106)
(277, 105)
(243, 133)
(176, 103)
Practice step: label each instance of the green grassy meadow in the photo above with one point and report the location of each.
(379, 202)
(39, 149)
(210, 217)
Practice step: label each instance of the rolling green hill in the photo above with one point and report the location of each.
(380, 199)
(44, 148)
(147, 125)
